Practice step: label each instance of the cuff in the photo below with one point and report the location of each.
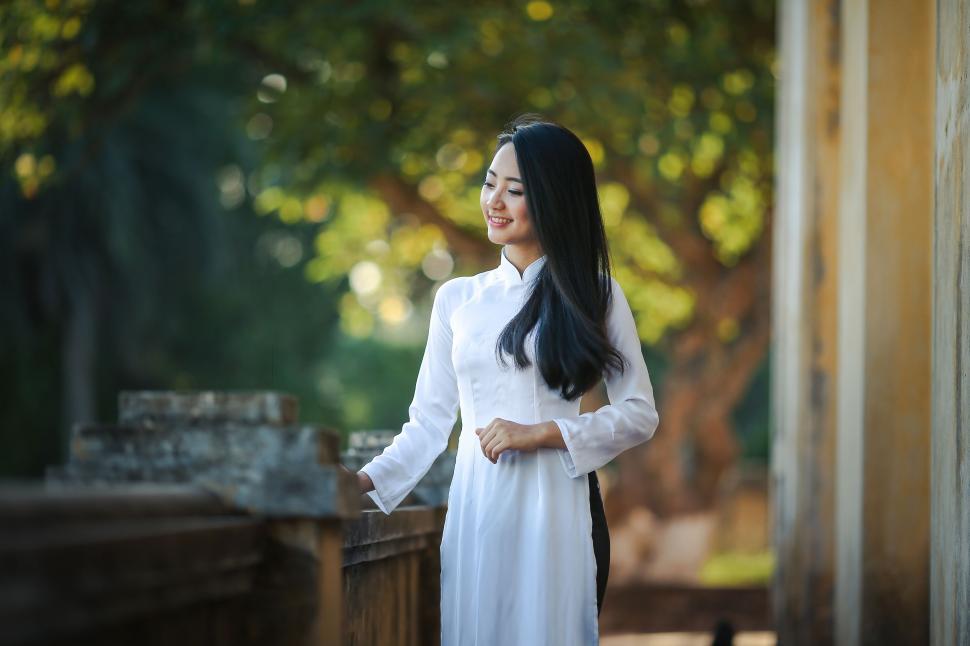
(375, 493)
(570, 455)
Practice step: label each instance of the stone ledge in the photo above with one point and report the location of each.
(36, 503)
(153, 408)
(246, 448)
(282, 491)
(177, 449)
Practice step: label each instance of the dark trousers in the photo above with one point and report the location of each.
(601, 539)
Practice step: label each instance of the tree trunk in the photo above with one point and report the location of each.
(680, 468)
(78, 369)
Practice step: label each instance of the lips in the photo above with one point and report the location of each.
(499, 221)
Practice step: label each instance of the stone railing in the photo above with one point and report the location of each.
(211, 518)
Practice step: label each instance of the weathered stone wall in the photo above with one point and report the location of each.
(248, 448)
(212, 519)
(950, 559)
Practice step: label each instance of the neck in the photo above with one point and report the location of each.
(522, 255)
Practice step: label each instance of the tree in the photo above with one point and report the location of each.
(674, 103)
(377, 120)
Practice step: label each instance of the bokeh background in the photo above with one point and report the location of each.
(205, 194)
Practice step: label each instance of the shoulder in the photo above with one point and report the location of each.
(460, 289)
(452, 289)
(451, 294)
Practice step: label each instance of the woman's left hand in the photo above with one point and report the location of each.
(501, 435)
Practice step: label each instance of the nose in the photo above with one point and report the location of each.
(492, 201)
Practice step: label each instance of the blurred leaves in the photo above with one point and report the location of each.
(131, 131)
(337, 95)
(736, 568)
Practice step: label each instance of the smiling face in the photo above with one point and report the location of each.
(503, 202)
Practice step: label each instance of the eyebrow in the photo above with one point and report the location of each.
(514, 179)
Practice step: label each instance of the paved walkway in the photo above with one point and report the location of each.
(687, 639)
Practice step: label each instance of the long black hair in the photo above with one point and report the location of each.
(572, 291)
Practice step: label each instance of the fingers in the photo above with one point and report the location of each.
(498, 450)
(494, 448)
(484, 436)
(481, 440)
(492, 442)
(489, 444)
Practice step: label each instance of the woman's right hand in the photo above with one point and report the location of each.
(366, 484)
(363, 480)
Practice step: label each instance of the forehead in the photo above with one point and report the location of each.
(504, 162)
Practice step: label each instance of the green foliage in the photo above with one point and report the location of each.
(136, 137)
(673, 100)
(253, 324)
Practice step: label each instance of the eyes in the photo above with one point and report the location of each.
(513, 192)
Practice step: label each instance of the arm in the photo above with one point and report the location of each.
(390, 476)
(592, 439)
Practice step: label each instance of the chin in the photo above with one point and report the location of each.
(498, 238)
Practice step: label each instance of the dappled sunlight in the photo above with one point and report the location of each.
(271, 87)
(276, 203)
(365, 277)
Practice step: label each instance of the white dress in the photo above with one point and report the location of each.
(517, 562)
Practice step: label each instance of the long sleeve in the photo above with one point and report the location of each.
(593, 439)
(432, 412)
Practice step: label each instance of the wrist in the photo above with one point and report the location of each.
(550, 436)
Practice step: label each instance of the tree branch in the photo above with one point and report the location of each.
(402, 197)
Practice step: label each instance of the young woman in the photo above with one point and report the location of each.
(525, 548)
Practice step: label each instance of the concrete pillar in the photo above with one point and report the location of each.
(884, 331)
(806, 275)
(950, 556)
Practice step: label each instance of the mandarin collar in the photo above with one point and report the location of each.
(510, 274)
